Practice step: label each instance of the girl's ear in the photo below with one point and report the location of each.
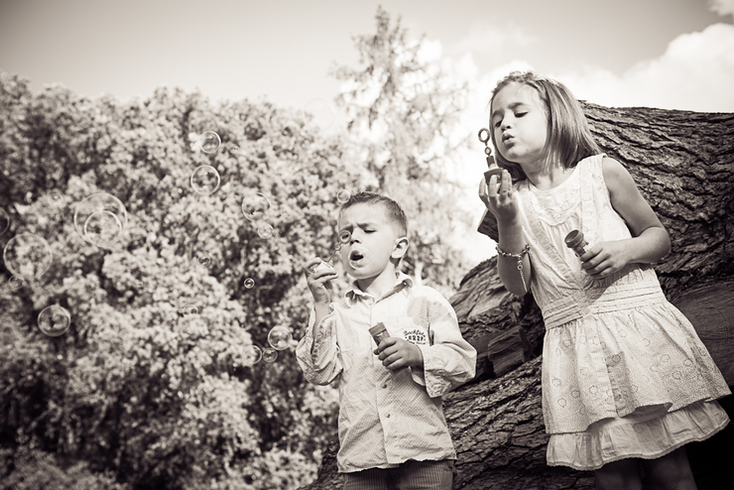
(400, 248)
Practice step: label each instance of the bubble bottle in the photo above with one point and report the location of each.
(576, 242)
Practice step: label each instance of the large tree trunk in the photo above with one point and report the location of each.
(683, 163)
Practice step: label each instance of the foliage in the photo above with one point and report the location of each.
(404, 107)
(135, 388)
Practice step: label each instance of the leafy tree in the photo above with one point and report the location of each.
(136, 389)
(403, 108)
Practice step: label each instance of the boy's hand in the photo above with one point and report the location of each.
(317, 279)
(396, 353)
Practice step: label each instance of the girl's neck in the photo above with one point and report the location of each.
(549, 176)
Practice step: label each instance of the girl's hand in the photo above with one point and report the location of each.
(317, 281)
(606, 258)
(396, 353)
(500, 200)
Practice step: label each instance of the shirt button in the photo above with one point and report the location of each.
(388, 415)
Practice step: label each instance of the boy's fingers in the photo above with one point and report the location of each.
(310, 264)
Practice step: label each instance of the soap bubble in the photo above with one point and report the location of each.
(344, 237)
(27, 256)
(320, 113)
(189, 310)
(4, 221)
(270, 354)
(255, 206)
(56, 198)
(54, 320)
(253, 354)
(279, 338)
(249, 283)
(15, 283)
(205, 180)
(206, 260)
(209, 141)
(343, 196)
(265, 230)
(103, 228)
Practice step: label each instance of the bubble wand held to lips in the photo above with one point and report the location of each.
(328, 264)
(493, 168)
(488, 223)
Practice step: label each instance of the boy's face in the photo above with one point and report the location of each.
(373, 241)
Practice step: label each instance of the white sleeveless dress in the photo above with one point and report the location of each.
(624, 372)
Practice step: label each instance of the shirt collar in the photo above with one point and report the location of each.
(402, 281)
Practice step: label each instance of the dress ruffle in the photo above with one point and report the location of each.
(648, 433)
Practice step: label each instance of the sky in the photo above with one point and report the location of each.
(672, 54)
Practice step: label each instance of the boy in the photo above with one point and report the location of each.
(392, 431)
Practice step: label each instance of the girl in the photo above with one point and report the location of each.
(625, 377)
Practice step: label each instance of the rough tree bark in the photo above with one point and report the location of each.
(683, 163)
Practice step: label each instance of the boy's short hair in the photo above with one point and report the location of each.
(393, 211)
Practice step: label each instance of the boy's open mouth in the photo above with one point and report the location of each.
(355, 256)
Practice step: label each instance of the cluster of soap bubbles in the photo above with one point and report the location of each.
(205, 179)
(100, 220)
(279, 338)
(255, 207)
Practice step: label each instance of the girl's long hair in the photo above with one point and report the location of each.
(569, 137)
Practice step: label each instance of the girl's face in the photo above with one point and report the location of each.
(519, 124)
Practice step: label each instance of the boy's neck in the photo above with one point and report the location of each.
(380, 284)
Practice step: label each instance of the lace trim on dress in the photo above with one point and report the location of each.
(647, 435)
(553, 204)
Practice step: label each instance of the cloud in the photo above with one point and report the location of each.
(489, 39)
(722, 7)
(695, 73)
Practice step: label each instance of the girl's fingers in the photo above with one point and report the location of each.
(483, 192)
(492, 187)
(506, 182)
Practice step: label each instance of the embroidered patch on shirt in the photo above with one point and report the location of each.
(416, 336)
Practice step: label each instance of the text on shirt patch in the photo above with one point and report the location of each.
(416, 336)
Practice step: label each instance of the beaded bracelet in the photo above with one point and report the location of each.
(517, 257)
